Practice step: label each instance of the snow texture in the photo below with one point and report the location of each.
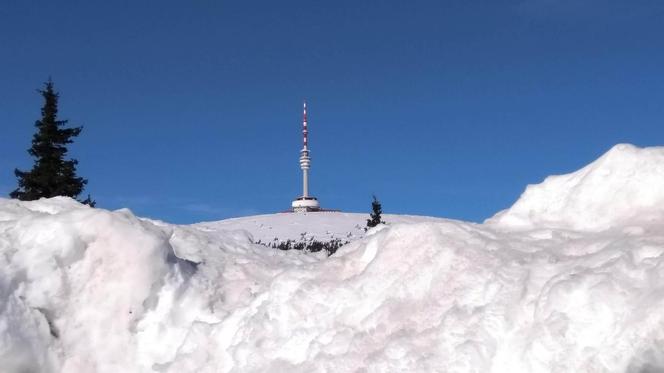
(570, 279)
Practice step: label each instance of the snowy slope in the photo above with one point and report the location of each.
(321, 226)
(536, 289)
(621, 187)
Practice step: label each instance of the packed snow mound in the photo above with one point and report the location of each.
(570, 279)
(624, 185)
(90, 290)
(11, 209)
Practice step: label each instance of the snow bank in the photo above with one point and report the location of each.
(624, 185)
(89, 290)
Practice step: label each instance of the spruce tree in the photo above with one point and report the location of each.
(377, 209)
(52, 175)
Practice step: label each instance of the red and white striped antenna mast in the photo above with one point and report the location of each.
(305, 132)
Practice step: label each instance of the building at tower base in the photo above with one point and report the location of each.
(305, 204)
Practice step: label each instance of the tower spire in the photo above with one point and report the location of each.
(305, 131)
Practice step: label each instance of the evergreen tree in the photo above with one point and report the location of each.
(52, 175)
(375, 215)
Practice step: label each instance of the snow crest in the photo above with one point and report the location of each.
(90, 290)
(624, 185)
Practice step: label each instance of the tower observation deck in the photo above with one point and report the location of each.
(305, 202)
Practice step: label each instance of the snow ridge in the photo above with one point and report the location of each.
(554, 284)
(623, 185)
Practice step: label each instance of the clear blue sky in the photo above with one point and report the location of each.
(192, 109)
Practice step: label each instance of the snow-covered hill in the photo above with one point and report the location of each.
(321, 226)
(570, 279)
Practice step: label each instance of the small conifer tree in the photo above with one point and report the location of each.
(377, 210)
(52, 175)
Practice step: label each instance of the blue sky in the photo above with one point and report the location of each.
(192, 110)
